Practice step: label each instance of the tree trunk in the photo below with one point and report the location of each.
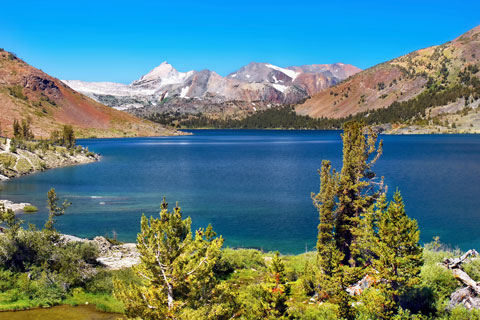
(468, 296)
(170, 297)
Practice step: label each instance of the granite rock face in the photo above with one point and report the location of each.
(113, 257)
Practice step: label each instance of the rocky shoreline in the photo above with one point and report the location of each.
(416, 129)
(16, 162)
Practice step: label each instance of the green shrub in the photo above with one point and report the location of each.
(439, 279)
(233, 259)
(8, 161)
(17, 92)
(30, 209)
(473, 269)
(324, 311)
(102, 282)
(24, 166)
(460, 313)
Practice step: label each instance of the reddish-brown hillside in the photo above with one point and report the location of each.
(397, 80)
(26, 92)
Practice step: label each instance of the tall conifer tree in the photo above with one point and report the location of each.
(358, 232)
(342, 199)
(356, 189)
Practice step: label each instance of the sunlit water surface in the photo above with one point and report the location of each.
(254, 186)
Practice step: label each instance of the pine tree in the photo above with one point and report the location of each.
(16, 129)
(25, 129)
(68, 136)
(356, 190)
(329, 256)
(279, 289)
(342, 200)
(397, 254)
(55, 210)
(176, 268)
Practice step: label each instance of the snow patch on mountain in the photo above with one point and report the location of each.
(106, 88)
(290, 73)
(184, 91)
(280, 87)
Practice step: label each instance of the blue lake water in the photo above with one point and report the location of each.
(254, 186)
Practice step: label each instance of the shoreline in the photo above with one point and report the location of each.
(91, 308)
(409, 130)
(35, 157)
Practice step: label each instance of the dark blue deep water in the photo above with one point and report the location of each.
(254, 186)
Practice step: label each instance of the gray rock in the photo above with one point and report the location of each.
(465, 296)
(16, 207)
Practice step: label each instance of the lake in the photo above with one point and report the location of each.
(254, 186)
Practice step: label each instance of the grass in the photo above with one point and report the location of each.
(24, 166)
(103, 301)
(8, 161)
(17, 92)
(30, 209)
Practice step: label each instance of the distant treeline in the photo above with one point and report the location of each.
(285, 117)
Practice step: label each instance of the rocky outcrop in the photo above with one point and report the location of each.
(120, 256)
(38, 82)
(16, 207)
(111, 256)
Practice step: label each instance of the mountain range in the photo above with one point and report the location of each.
(436, 87)
(253, 87)
(29, 93)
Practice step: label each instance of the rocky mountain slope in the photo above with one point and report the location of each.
(255, 86)
(438, 83)
(26, 92)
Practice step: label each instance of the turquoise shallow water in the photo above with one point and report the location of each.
(254, 186)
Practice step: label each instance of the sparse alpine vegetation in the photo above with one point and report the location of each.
(23, 155)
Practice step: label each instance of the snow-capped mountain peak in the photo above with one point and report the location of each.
(164, 73)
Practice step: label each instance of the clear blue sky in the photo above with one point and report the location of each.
(121, 40)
